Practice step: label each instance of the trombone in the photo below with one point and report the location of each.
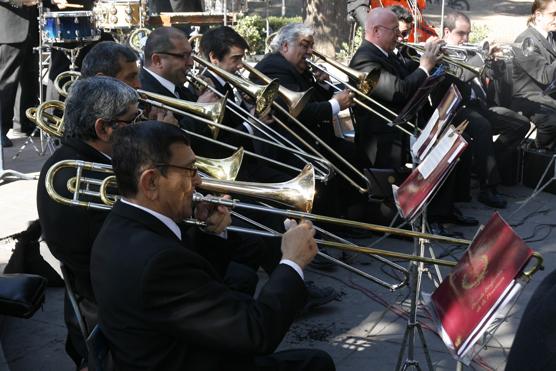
(291, 191)
(296, 100)
(365, 84)
(364, 189)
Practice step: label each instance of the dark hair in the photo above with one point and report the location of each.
(105, 58)
(451, 18)
(219, 40)
(92, 98)
(140, 146)
(402, 13)
(539, 5)
(161, 40)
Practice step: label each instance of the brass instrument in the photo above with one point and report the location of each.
(295, 101)
(365, 80)
(63, 81)
(299, 192)
(361, 189)
(48, 122)
(136, 37)
(454, 67)
(264, 95)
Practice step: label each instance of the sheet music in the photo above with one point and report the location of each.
(437, 153)
(425, 133)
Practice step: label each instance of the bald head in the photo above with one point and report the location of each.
(381, 28)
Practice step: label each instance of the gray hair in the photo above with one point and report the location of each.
(290, 34)
(92, 98)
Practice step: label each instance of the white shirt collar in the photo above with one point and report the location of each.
(541, 31)
(163, 218)
(382, 50)
(164, 82)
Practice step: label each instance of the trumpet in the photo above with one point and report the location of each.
(454, 66)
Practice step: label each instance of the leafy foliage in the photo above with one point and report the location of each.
(253, 30)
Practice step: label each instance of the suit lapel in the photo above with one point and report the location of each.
(543, 41)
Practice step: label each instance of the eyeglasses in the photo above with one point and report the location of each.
(176, 55)
(191, 171)
(134, 120)
(393, 29)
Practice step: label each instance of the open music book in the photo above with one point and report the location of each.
(480, 286)
(425, 180)
(438, 120)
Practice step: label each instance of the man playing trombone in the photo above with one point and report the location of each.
(94, 108)
(162, 306)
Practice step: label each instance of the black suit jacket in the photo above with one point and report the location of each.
(534, 346)
(317, 113)
(163, 307)
(69, 231)
(200, 146)
(395, 87)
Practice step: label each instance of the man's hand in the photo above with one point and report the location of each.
(431, 55)
(266, 115)
(217, 217)
(344, 98)
(160, 114)
(61, 4)
(208, 97)
(198, 88)
(320, 75)
(298, 243)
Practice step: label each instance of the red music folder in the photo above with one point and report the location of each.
(424, 180)
(479, 286)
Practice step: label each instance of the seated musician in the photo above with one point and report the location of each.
(225, 48)
(287, 63)
(384, 146)
(484, 119)
(162, 306)
(534, 70)
(94, 108)
(358, 9)
(108, 58)
(167, 63)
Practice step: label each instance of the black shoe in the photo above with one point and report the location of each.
(321, 263)
(6, 142)
(491, 198)
(438, 228)
(318, 296)
(458, 218)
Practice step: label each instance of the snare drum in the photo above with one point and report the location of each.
(69, 27)
(112, 15)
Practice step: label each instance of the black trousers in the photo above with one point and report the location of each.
(541, 109)
(479, 134)
(19, 68)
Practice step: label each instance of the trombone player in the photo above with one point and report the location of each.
(163, 306)
(94, 109)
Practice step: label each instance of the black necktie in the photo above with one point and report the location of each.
(230, 91)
